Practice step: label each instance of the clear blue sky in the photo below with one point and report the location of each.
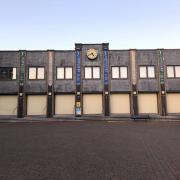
(58, 24)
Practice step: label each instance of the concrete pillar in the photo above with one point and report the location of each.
(78, 95)
(106, 78)
(134, 93)
(162, 89)
(21, 95)
(50, 89)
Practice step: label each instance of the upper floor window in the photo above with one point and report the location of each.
(36, 72)
(64, 73)
(92, 72)
(147, 71)
(173, 71)
(7, 73)
(119, 72)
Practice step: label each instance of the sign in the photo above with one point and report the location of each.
(106, 82)
(161, 65)
(22, 64)
(78, 111)
(78, 67)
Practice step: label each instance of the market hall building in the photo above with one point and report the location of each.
(91, 80)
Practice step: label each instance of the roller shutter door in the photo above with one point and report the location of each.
(147, 103)
(120, 104)
(92, 104)
(36, 104)
(173, 102)
(8, 105)
(64, 104)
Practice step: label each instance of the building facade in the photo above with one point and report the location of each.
(91, 80)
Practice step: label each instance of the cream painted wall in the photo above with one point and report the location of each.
(147, 103)
(36, 104)
(8, 105)
(173, 102)
(92, 104)
(64, 104)
(120, 104)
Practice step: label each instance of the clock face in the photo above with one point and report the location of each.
(92, 54)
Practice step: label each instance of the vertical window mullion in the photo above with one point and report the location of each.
(92, 72)
(36, 72)
(64, 72)
(119, 72)
(147, 74)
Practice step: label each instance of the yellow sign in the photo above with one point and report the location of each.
(78, 104)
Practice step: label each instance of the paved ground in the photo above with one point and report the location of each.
(90, 151)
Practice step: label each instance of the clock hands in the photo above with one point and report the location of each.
(92, 54)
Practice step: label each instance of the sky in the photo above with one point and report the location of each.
(59, 24)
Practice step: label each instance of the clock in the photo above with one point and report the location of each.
(92, 54)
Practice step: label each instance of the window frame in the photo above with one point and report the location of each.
(147, 77)
(92, 72)
(174, 71)
(64, 67)
(12, 74)
(119, 68)
(36, 67)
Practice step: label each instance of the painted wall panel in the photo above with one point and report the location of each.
(120, 104)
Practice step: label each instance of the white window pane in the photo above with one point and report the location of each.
(151, 72)
(14, 73)
(96, 72)
(60, 73)
(143, 72)
(88, 72)
(177, 70)
(170, 71)
(32, 73)
(123, 71)
(68, 73)
(115, 72)
(40, 73)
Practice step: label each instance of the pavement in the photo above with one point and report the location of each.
(90, 150)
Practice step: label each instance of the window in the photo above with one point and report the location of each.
(36, 72)
(92, 72)
(177, 71)
(119, 72)
(64, 73)
(88, 72)
(147, 71)
(173, 71)
(7, 73)
(170, 71)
